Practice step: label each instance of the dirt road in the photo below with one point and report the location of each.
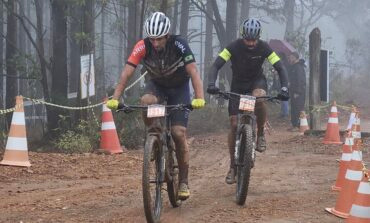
(290, 183)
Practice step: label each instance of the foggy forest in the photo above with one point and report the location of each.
(42, 42)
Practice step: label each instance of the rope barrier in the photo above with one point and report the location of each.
(40, 101)
(9, 110)
(319, 108)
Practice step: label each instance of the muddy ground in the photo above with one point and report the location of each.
(290, 183)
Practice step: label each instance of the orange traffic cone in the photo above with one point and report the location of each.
(356, 130)
(360, 211)
(16, 150)
(349, 189)
(344, 162)
(109, 138)
(332, 129)
(303, 124)
(351, 118)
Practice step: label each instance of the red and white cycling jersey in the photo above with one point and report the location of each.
(166, 68)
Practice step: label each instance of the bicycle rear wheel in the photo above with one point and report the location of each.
(244, 163)
(152, 179)
(173, 179)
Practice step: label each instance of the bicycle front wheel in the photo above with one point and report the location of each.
(152, 179)
(244, 163)
(173, 179)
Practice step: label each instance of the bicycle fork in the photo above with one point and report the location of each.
(240, 128)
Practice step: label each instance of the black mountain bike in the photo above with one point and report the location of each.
(159, 160)
(245, 143)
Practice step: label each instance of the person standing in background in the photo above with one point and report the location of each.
(284, 112)
(297, 87)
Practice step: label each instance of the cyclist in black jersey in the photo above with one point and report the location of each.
(170, 64)
(247, 56)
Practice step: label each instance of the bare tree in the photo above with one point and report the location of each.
(22, 53)
(1, 54)
(101, 77)
(208, 49)
(2, 92)
(39, 5)
(59, 61)
(10, 54)
(174, 21)
(231, 28)
(244, 9)
(134, 24)
(121, 19)
(75, 15)
(164, 6)
(215, 17)
(289, 6)
(184, 18)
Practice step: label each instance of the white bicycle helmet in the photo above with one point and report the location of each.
(251, 29)
(157, 25)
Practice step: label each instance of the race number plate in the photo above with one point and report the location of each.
(156, 111)
(247, 103)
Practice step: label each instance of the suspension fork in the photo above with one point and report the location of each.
(242, 119)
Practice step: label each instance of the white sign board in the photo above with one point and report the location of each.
(87, 72)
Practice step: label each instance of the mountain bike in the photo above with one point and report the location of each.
(159, 160)
(245, 142)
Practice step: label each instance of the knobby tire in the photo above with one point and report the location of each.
(152, 208)
(243, 170)
(173, 180)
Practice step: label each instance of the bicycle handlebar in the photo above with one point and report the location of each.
(129, 108)
(228, 95)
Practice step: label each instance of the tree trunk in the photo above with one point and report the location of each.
(314, 90)
(208, 49)
(39, 5)
(74, 57)
(75, 52)
(59, 84)
(231, 27)
(2, 91)
(164, 6)
(22, 51)
(10, 54)
(1, 57)
(122, 18)
(142, 12)
(220, 29)
(87, 46)
(174, 21)
(244, 11)
(133, 37)
(289, 6)
(100, 83)
(184, 18)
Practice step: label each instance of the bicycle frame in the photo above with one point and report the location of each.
(164, 158)
(165, 136)
(245, 142)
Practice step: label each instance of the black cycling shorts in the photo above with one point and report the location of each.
(173, 96)
(245, 88)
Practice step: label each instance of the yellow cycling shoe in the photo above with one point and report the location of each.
(183, 192)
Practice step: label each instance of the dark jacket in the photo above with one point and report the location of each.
(297, 78)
